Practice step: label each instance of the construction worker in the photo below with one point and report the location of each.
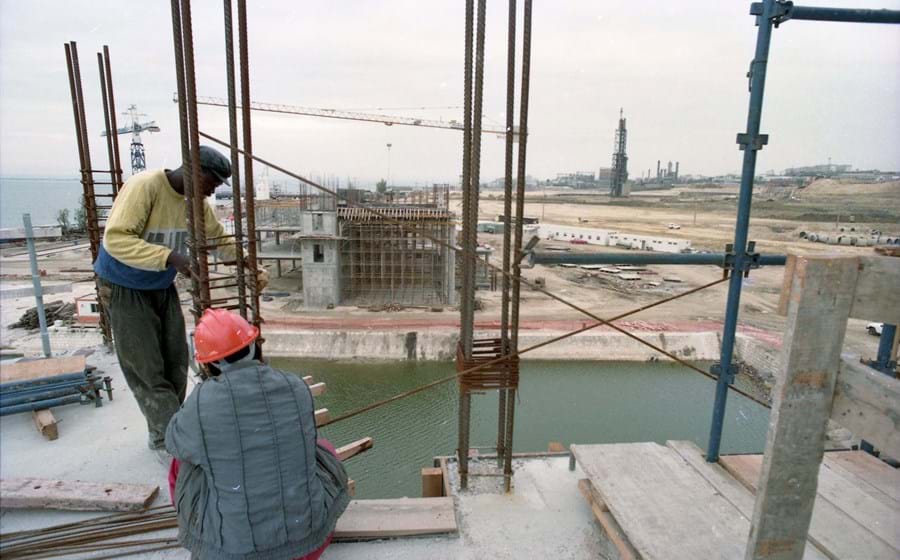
(249, 478)
(142, 251)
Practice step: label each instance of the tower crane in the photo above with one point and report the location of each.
(387, 120)
(135, 128)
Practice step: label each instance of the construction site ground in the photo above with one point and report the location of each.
(706, 216)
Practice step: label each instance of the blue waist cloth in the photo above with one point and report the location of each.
(108, 268)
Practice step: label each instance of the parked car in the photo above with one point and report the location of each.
(875, 329)
(673, 226)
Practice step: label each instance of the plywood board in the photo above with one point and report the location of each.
(404, 517)
(869, 469)
(610, 527)
(665, 508)
(732, 490)
(36, 493)
(45, 367)
(841, 535)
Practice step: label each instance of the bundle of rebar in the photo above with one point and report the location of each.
(46, 392)
(95, 535)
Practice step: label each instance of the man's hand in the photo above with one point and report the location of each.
(181, 263)
(262, 279)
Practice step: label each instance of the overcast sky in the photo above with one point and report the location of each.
(677, 68)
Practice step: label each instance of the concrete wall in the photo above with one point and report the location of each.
(321, 280)
(323, 223)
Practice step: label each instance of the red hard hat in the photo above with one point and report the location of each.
(220, 334)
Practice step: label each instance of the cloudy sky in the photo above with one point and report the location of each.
(677, 68)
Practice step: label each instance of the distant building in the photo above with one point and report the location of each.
(609, 238)
(826, 170)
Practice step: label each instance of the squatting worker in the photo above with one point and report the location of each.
(249, 478)
(142, 251)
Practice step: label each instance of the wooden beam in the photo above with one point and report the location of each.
(556, 447)
(876, 293)
(45, 423)
(351, 487)
(308, 379)
(45, 367)
(445, 475)
(36, 493)
(432, 482)
(317, 389)
(867, 402)
(607, 522)
(404, 517)
(322, 416)
(355, 448)
(822, 293)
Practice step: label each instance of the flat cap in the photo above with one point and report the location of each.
(213, 161)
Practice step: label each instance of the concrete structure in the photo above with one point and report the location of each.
(608, 238)
(319, 253)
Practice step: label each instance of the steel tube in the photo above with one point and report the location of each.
(849, 15)
(38, 405)
(48, 387)
(745, 197)
(18, 385)
(36, 282)
(716, 259)
(30, 397)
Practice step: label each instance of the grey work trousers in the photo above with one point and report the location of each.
(148, 332)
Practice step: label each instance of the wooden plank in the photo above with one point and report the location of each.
(432, 482)
(821, 295)
(317, 389)
(36, 493)
(355, 448)
(867, 402)
(322, 416)
(877, 294)
(445, 474)
(786, 281)
(308, 379)
(351, 487)
(836, 532)
(45, 367)
(874, 471)
(45, 423)
(739, 495)
(556, 447)
(607, 522)
(405, 517)
(664, 507)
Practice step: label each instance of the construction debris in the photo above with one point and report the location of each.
(31, 493)
(55, 311)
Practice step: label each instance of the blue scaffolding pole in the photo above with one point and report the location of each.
(768, 14)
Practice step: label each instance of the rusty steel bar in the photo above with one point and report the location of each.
(185, 147)
(520, 211)
(112, 121)
(110, 131)
(197, 199)
(244, 64)
(507, 213)
(235, 159)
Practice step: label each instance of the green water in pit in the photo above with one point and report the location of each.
(571, 402)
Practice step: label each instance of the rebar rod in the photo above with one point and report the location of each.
(113, 122)
(249, 188)
(235, 159)
(185, 146)
(196, 195)
(110, 131)
(507, 214)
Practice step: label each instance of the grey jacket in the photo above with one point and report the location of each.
(253, 484)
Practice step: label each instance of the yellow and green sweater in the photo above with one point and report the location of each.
(145, 225)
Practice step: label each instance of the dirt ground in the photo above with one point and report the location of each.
(706, 216)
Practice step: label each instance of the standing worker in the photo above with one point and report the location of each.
(142, 251)
(249, 478)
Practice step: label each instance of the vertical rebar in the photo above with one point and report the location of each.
(468, 286)
(112, 121)
(235, 161)
(197, 198)
(517, 243)
(110, 132)
(750, 145)
(185, 147)
(36, 283)
(507, 212)
(252, 264)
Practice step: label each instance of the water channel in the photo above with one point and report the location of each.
(580, 402)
